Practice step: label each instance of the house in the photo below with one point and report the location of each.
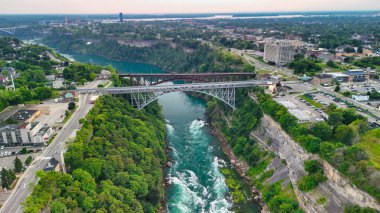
(326, 57)
(52, 165)
(272, 88)
(3, 80)
(69, 96)
(8, 71)
(367, 52)
(104, 74)
(51, 78)
(342, 48)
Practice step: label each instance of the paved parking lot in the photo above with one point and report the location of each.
(8, 162)
(321, 97)
(360, 87)
(308, 110)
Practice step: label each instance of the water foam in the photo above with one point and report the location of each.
(189, 193)
(170, 129)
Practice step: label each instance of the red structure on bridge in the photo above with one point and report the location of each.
(155, 79)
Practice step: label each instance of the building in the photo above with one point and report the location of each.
(31, 134)
(52, 165)
(326, 57)
(289, 105)
(3, 80)
(301, 116)
(51, 77)
(8, 71)
(339, 77)
(358, 75)
(280, 52)
(121, 17)
(360, 98)
(322, 79)
(104, 74)
(69, 96)
(272, 88)
(26, 116)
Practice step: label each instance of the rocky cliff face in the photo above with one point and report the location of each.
(337, 189)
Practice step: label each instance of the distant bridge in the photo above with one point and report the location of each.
(9, 30)
(141, 96)
(155, 79)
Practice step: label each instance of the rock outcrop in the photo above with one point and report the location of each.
(337, 189)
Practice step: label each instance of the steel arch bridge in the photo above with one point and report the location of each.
(155, 79)
(9, 30)
(141, 96)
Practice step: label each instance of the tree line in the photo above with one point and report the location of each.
(115, 163)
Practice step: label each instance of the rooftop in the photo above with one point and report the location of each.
(337, 74)
(355, 72)
(299, 114)
(288, 104)
(51, 165)
(23, 115)
(323, 76)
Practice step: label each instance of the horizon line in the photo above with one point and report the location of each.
(195, 13)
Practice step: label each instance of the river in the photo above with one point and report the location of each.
(196, 183)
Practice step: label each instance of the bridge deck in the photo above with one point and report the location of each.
(174, 87)
(186, 74)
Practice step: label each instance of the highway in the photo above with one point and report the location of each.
(27, 180)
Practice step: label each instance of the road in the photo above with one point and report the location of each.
(259, 65)
(28, 179)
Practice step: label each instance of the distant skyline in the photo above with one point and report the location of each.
(179, 6)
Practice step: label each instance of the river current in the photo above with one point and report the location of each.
(196, 183)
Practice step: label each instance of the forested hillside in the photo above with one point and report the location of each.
(183, 53)
(114, 164)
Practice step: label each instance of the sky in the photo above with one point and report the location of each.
(179, 6)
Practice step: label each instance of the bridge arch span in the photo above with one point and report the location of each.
(226, 95)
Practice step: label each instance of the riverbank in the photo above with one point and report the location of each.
(240, 166)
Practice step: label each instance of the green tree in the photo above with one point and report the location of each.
(337, 88)
(18, 165)
(322, 130)
(28, 160)
(312, 166)
(344, 134)
(71, 106)
(7, 178)
(57, 207)
(335, 118)
(42, 93)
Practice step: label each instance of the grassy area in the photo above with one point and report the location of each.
(51, 139)
(311, 101)
(288, 192)
(378, 68)
(70, 114)
(370, 142)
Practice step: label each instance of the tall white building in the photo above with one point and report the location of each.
(280, 52)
